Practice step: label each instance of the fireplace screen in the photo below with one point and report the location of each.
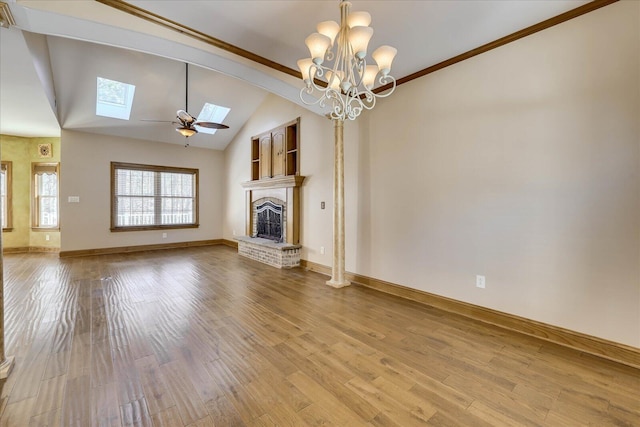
(269, 225)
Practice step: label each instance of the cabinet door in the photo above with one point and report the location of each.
(265, 156)
(278, 154)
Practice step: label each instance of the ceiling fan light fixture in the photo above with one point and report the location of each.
(186, 132)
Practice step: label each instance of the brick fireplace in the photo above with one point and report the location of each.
(272, 221)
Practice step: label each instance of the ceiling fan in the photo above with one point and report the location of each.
(188, 123)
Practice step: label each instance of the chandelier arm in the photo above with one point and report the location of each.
(339, 106)
(355, 107)
(384, 80)
(368, 100)
(329, 55)
(315, 72)
(310, 99)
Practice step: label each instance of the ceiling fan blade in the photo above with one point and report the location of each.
(173, 122)
(211, 125)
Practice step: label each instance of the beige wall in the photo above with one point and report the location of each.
(86, 173)
(22, 152)
(521, 164)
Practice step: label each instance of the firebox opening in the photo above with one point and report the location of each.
(269, 221)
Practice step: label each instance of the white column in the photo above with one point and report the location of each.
(6, 363)
(337, 270)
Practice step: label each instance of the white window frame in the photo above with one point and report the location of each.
(7, 197)
(40, 169)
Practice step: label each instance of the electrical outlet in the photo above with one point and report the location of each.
(234, 232)
(164, 235)
(480, 282)
(321, 250)
(46, 237)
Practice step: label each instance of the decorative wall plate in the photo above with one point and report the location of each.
(44, 150)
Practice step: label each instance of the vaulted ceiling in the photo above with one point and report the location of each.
(51, 58)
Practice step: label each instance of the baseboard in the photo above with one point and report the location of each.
(231, 243)
(30, 249)
(139, 248)
(606, 349)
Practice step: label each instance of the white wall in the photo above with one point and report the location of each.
(521, 164)
(85, 172)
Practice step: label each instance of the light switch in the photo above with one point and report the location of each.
(74, 199)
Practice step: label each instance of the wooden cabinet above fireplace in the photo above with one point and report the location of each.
(275, 153)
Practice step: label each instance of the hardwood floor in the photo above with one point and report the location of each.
(203, 337)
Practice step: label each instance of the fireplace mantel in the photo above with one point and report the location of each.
(285, 188)
(277, 182)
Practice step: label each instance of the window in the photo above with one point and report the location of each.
(45, 195)
(5, 194)
(212, 113)
(114, 99)
(151, 197)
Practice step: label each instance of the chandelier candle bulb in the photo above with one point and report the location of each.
(305, 67)
(329, 29)
(369, 77)
(359, 19)
(384, 57)
(318, 45)
(359, 39)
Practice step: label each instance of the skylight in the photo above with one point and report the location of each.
(114, 99)
(212, 113)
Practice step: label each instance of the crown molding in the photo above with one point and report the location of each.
(172, 25)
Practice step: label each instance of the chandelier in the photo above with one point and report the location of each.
(338, 59)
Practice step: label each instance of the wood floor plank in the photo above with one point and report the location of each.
(340, 414)
(76, 404)
(47, 419)
(203, 337)
(400, 414)
(18, 413)
(105, 410)
(30, 372)
(136, 413)
(156, 391)
(247, 407)
(223, 413)
(169, 417)
(184, 394)
(50, 395)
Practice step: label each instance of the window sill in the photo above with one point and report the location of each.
(45, 229)
(8, 229)
(153, 227)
